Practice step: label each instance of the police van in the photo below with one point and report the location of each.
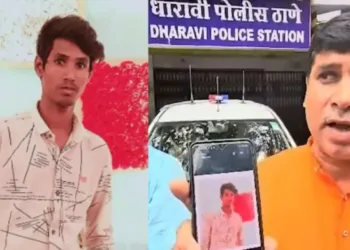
(180, 124)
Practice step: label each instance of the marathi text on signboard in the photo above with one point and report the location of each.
(277, 24)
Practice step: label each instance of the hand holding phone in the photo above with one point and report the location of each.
(225, 195)
(184, 237)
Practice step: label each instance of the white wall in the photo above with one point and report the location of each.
(130, 209)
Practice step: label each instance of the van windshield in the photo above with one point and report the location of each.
(175, 137)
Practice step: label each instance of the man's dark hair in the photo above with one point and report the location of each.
(332, 36)
(74, 29)
(228, 186)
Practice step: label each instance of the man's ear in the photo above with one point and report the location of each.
(39, 66)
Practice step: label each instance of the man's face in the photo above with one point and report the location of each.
(227, 198)
(65, 74)
(327, 104)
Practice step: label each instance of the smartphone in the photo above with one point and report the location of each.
(225, 195)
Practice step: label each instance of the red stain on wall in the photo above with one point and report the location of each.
(243, 204)
(115, 106)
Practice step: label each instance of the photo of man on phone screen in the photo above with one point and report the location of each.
(223, 229)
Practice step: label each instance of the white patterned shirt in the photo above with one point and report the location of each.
(48, 197)
(221, 231)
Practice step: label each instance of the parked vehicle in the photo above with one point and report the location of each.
(178, 125)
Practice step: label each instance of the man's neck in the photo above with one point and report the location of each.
(56, 118)
(338, 170)
(227, 210)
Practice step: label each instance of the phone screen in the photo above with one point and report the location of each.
(225, 196)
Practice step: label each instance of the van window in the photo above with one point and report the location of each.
(175, 137)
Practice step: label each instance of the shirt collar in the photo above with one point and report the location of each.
(224, 215)
(78, 133)
(323, 175)
(317, 167)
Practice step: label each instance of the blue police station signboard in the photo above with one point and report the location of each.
(224, 24)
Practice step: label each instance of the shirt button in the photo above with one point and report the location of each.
(53, 231)
(58, 192)
(345, 233)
